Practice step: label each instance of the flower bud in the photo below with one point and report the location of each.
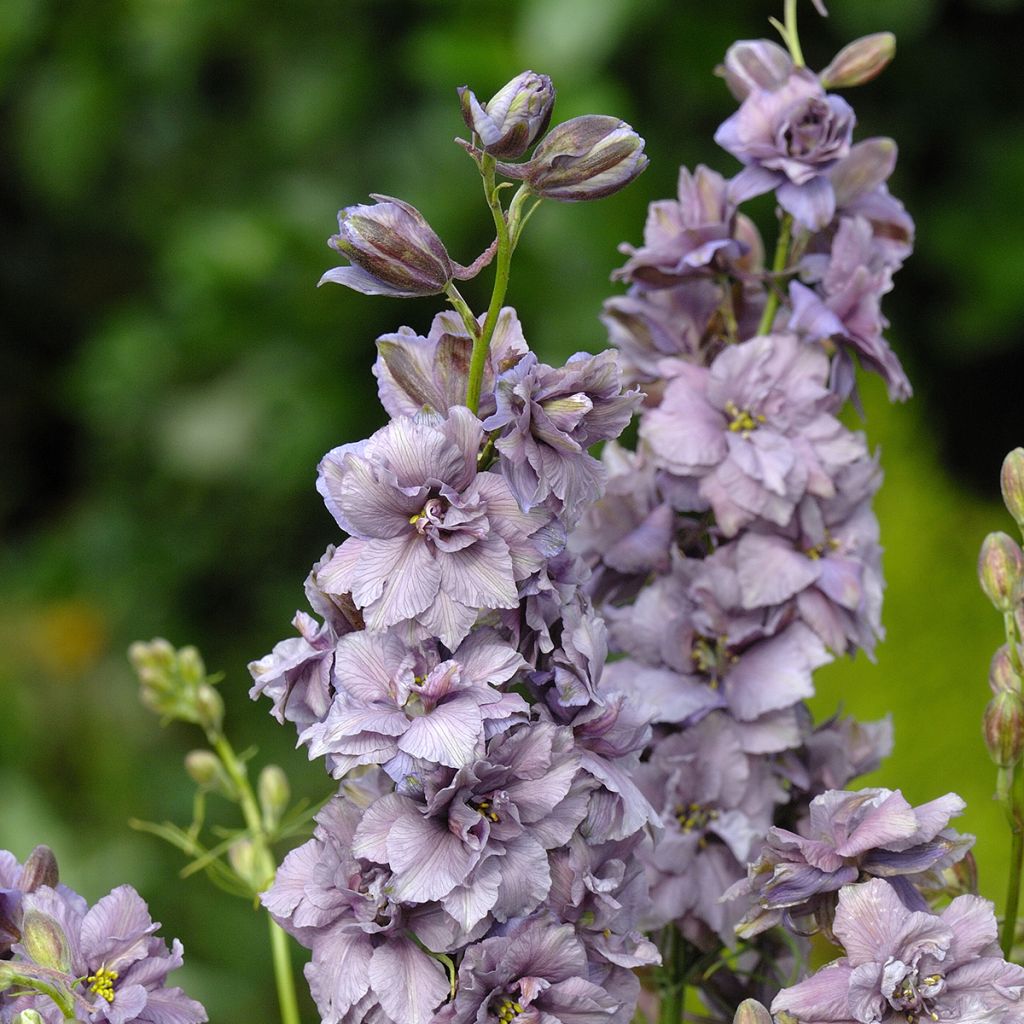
(1003, 728)
(589, 157)
(209, 707)
(1011, 480)
(754, 64)
(27, 1017)
(869, 163)
(8, 976)
(393, 251)
(190, 666)
(274, 793)
(750, 1011)
(1000, 568)
(514, 117)
(39, 869)
(1001, 673)
(859, 61)
(44, 941)
(242, 855)
(205, 769)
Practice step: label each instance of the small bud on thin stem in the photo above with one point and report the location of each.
(1000, 570)
(1003, 728)
(1011, 480)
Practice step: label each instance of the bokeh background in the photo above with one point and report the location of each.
(169, 172)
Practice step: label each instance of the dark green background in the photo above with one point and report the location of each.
(169, 172)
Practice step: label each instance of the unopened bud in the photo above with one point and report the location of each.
(1000, 568)
(1011, 480)
(206, 770)
(44, 941)
(27, 1017)
(158, 654)
(274, 793)
(242, 855)
(860, 61)
(1003, 728)
(392, 249)
(750, 1011)
(209, 707)
(8, 976)
(754, 64)
(190, 666)
(589, 157)
(39, 869)
(514, 117)
(1001, 672)
(869, 163)
(965, 875)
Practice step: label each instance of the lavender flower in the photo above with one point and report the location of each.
(547, 418)
(849, 835)
(788, 137)
(904, 965)
(15, 880)
(432, 540)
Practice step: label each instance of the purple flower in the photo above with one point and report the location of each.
(788, 137)
(432, 541)
(535, 973)
(755, 64)
(365, 960)
(755, 428)
(105, 956)
(904, 965)
(546, 420)
(416, 374)
(700, 233)
(395, 700)
(849, 835)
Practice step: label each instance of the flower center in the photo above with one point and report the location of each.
(711, 659)
(695, 816)
(507, 1009)
(432, 513)
(486, 810)
(743, 421)
(102, 983)
(913, 996)
(828, 545)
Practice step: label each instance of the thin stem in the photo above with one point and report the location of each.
(792, 36)
(462, 308)
(728, 310)
(266, 867)
(1016, 813)
(672, 1007)
(778, 266)
(503, 262)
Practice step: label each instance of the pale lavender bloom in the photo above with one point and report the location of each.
(547, 419)
(113, 965)
(699, 233)
(845, 304)
(573, 669)
(535, 972)
(478, 839)
(905, 965)
(716, 804)
(849, 835)
(297, 674)
(788, 137)
(395, 700)
(755, 428)
(361, 935)
(416, 374)
(432, 541)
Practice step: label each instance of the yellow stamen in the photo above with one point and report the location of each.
(102, 983)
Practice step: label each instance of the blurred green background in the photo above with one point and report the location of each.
(169, 172)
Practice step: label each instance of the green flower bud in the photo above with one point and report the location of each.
(242, 855)
(206, 770)
(513, 118)
(190, 666)
(1000, 569)
(859, 61)
(1011, 480)
(209, 707)
(274, 793)
(8, 976)
(589, 157)
(44, 942)
(40, 869)
(27, 1017)
(750, 1011)
(1001, 673)
(1003, 728)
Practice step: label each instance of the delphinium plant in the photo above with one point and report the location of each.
(561, 697)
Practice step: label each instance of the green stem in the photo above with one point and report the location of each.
(673, 993)
(1016, 813)
(728, 310)
(778, 266)
(462, 308)
(792, 37)
(266, 868)
(503, 262)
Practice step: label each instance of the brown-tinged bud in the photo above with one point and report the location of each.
(1003, 728)
(860, 61)
(754, 64)
(750, 1011)
(1011, 480)
(1001, 673)
(589, 157)
(206, 770)
(39, 869)
(513, 118)
(44, 941)
(274, 793)
(1000, 570)
(965, 875)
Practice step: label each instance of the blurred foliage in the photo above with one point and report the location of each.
(169, 170)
